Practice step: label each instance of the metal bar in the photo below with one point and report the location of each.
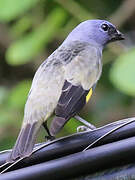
(74, 143)
(93, 160)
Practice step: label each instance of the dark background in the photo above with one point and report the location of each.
(30, 30)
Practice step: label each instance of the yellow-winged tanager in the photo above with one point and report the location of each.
(64, 82)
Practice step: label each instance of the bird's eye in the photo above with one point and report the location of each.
(105, 27)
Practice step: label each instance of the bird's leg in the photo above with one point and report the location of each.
(49, 137)
(88, 126)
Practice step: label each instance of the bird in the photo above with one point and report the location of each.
(64, 82)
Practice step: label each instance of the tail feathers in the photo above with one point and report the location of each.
(25, 142)
(57, 124)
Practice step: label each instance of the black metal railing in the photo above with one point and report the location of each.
(110, 146)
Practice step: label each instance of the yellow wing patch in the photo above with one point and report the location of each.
(89, 95)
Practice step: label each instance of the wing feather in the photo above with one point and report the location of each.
(80, 76)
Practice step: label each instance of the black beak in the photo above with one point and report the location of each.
(117, 35)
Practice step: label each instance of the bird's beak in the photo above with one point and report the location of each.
(117, 35)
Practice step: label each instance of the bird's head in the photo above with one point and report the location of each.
(100, 32)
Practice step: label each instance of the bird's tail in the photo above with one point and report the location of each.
(57, 124)
(25, 142)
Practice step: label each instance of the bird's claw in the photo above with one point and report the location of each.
(83, 128)
(49, 138)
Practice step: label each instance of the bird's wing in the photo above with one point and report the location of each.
(72, 100)
(81, 75)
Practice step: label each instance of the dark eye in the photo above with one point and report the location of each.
(105, 27)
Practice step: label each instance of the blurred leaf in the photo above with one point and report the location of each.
(18, 94)
(21, 26)
(7, 142)
(5, 117)
(11, 9)
(75, 8)
(3, 94)
(29, 46)
(122, 73)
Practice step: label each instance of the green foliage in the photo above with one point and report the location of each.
(32, 44)
(18, 95)
(21, 26)
(34, 28)
(122, 73)
(11, 9)
(3, 94)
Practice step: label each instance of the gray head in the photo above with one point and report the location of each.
(96, 31)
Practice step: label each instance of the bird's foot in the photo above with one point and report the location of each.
(49, 138)
(83, 128)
